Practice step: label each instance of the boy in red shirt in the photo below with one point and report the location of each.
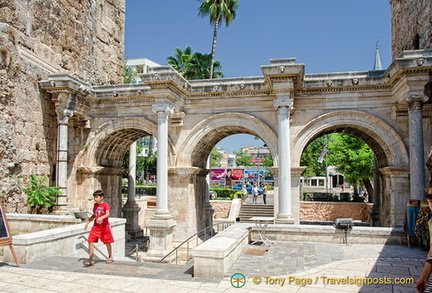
(101, 228)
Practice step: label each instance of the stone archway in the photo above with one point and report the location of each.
(390, 151)
(204, 136)
(188, 183)
(99, 164)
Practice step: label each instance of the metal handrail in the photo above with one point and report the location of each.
(224, 226)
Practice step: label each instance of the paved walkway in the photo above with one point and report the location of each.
(315, 267)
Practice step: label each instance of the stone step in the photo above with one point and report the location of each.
(255, 210)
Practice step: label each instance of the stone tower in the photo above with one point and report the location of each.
(411, 25)
(84, 38)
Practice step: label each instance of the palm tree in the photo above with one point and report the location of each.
(219, 11)
(180, 60)
(199, 67)
(193, 65)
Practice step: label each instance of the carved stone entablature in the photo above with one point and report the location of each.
(157, 75)
(416, 101)
(284, 70)
(188, 171)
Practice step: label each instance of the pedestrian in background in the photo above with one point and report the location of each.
(264, 190)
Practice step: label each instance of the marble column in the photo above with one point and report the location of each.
(63, 116)
(161, 225)
(416, 148)
(375, 213)
(208, 207)
(131, 209)
(283, 105)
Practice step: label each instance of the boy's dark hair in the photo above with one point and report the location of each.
(428, 196)
(99, 192)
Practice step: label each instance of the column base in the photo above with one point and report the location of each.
(375, 217)
(130, 212)
(284, 219)
(209, 214)
(161, 228)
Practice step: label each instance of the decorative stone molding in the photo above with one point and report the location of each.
(177, 118)
(416, 101)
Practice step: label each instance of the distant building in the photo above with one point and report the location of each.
(139, 66)
(258, 153)
(228, 160)
(147, 143)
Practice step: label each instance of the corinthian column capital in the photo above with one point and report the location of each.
(416, 101)
(163, 107)
(283, 102)
(63, 115)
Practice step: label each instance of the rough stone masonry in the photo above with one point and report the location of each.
(84, 38)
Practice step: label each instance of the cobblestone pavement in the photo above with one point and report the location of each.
(302, 267)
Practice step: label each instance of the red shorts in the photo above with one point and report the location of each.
(102, 232)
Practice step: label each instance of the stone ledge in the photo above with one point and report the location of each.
(69, 241)
(213, 258)
(326, 233)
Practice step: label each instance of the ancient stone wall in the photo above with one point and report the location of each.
(409, 18)
(84, 38)
(312, 211)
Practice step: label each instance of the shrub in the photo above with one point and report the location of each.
(40, 196)
(223, 192)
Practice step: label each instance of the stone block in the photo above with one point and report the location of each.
(69, 241)
(213, 258)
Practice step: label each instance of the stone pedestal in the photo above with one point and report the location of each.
(130, 212)
(161, 238)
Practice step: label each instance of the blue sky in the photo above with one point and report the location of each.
(326, 36)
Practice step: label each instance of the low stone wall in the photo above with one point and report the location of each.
(313, 210)
(328, 234)
(213, 258)
(68, 241)
(28, 223)
(330, 211)
(221, 208)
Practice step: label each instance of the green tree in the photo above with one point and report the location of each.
(218, 11)
(353, 158)
(216, 158)
(310, 157)
(243, 159)
(181, 60)
(193, 65)
(145, 165)
(199, 67)
(267, 162)
(129, 74)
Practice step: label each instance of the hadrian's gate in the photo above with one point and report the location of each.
(285, 107)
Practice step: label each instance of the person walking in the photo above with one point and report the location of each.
(244, 194)
(264, 192)
(255, 193)
(101, 228)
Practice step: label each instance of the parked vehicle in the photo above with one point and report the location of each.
(248, 187)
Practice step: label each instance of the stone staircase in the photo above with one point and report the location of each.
(248, 211)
